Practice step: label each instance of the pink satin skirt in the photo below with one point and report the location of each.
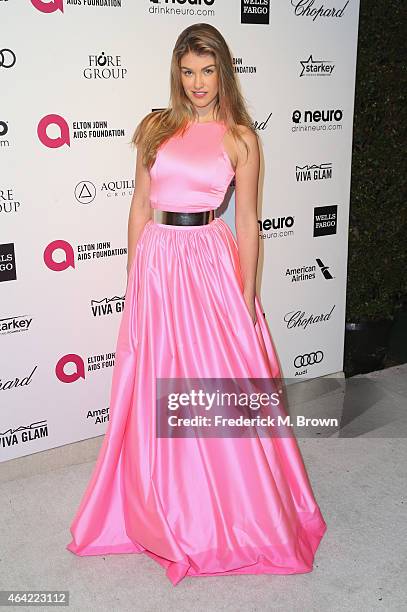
(197, 506)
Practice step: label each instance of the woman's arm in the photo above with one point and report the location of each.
(247, 231)
(140, 208)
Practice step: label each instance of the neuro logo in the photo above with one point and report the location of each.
(48, 6)
(68, 261)
(315, 116)
(275, 223)
(59, 141)
(78, 373)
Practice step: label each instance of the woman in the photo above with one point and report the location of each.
(199, 506)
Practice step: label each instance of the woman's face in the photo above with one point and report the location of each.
(199, 74)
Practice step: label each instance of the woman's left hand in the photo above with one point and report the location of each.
(249, 299)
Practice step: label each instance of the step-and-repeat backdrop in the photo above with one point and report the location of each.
(76, 77)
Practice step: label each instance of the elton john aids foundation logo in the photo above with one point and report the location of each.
(51, 6)
(57, 141)
(74, 376)
(67, 262)
(81, 365)
(80, 130)
(46, 6)
(86, 253)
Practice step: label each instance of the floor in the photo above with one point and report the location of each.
(358, 474)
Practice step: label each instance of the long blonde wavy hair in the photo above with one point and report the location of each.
(230, 106)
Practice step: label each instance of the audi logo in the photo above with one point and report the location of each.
(308, 359)
(7, 58)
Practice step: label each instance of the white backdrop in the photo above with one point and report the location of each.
(76, 78)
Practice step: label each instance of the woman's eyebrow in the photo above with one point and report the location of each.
(209, 66)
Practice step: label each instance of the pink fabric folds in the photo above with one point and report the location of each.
(197, 506)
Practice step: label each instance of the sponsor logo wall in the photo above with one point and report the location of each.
(76, 77)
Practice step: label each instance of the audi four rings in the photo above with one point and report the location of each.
(308, 359)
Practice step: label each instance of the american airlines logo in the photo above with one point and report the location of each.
(308, 272)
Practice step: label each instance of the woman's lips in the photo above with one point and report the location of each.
(199, 94)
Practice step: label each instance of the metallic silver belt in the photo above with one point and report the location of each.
(168, 217)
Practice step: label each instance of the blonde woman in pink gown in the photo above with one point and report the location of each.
(198, 506)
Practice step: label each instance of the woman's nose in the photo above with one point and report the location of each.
(198, 82)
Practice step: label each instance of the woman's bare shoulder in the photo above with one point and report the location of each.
(235, 147)
(248, 135)
(245, 131)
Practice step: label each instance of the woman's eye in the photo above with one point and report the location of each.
(208, 70)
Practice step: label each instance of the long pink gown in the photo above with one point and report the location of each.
(197, 506)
